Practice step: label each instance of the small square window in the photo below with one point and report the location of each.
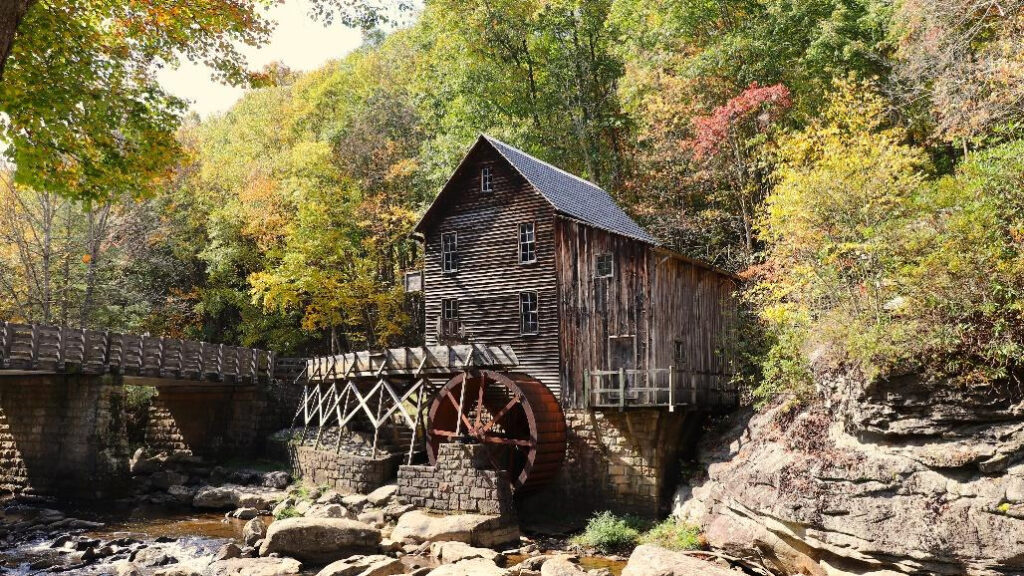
(603, 265)
(449, 252)
(529, 316)
(527, 243)
(679, 353)
(486, 181)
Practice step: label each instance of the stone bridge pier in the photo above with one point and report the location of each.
(68, 435)
(62, 435)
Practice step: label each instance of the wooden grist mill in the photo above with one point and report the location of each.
(430, 395)
(547, 309)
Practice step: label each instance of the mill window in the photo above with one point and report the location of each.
(679, 354)
(486, 183)
(449, 252)
(603, 265)
(527, 243)
(450, 308)
(529, 318)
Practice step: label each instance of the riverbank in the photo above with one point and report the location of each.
(312, 533)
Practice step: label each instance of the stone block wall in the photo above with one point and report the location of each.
(62, 436)
(459, 482)
(627, 462)
(346, 473)
(210, 421)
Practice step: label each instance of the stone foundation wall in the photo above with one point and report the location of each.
(325, 467)
(211, 421)
(459, 482)
(62, 436)
(627, 462)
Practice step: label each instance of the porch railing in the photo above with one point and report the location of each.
(658, 387)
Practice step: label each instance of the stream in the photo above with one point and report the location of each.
(152, 538)
(148, 535)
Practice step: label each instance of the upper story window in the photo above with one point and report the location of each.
(529, 315)
(603, 265)
(486, 181)
(449, 252)
(527, 243)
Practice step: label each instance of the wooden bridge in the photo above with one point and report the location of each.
(42, 349)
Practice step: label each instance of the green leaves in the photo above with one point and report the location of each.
(85, 116)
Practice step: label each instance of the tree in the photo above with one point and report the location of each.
(86, 118)
(962, 62)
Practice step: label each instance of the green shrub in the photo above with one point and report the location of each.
(289, 512)
(674, 535)
(610, 533)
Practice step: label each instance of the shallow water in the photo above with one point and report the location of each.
(196, 537)
(586, 562)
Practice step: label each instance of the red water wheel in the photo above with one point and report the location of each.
(514, 415)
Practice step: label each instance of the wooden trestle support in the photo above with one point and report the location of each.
(473, 398)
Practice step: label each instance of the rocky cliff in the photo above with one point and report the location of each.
(896, 476)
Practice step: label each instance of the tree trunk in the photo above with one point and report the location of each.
(11, 13)
(97, 234)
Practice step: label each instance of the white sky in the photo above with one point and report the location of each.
(298, 41)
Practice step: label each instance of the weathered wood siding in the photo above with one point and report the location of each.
(695, 306)
(490, 277)
(595, 311)
(634, 318)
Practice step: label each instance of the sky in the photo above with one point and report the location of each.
(298, 41)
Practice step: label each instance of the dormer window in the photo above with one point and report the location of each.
(449, 252)
(527, 243)
(486, 183)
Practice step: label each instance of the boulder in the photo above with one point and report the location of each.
(164, 479)
(253, 531)
(474, 567)
(354, 501)
(256, 567)
(277, 480)
(227, 552)
(418, 526)
(330, 497)
(215, 498)
(182, 494)
(245, 513)
(562, 566)
(259, 499)
(320, 540)
(651, 560)
(329, 511)
(452, 552)
(382, 495)
(376, 565)
(230, 496)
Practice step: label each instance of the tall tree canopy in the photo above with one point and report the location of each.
(853, 158)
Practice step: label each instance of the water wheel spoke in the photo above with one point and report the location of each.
(462, 413)
(480, 400)
(508, 441)
(501, 413)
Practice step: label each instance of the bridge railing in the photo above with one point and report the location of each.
(44, 348)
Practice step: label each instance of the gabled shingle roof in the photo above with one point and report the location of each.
(572, 195)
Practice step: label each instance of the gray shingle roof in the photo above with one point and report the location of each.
(572, 195)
